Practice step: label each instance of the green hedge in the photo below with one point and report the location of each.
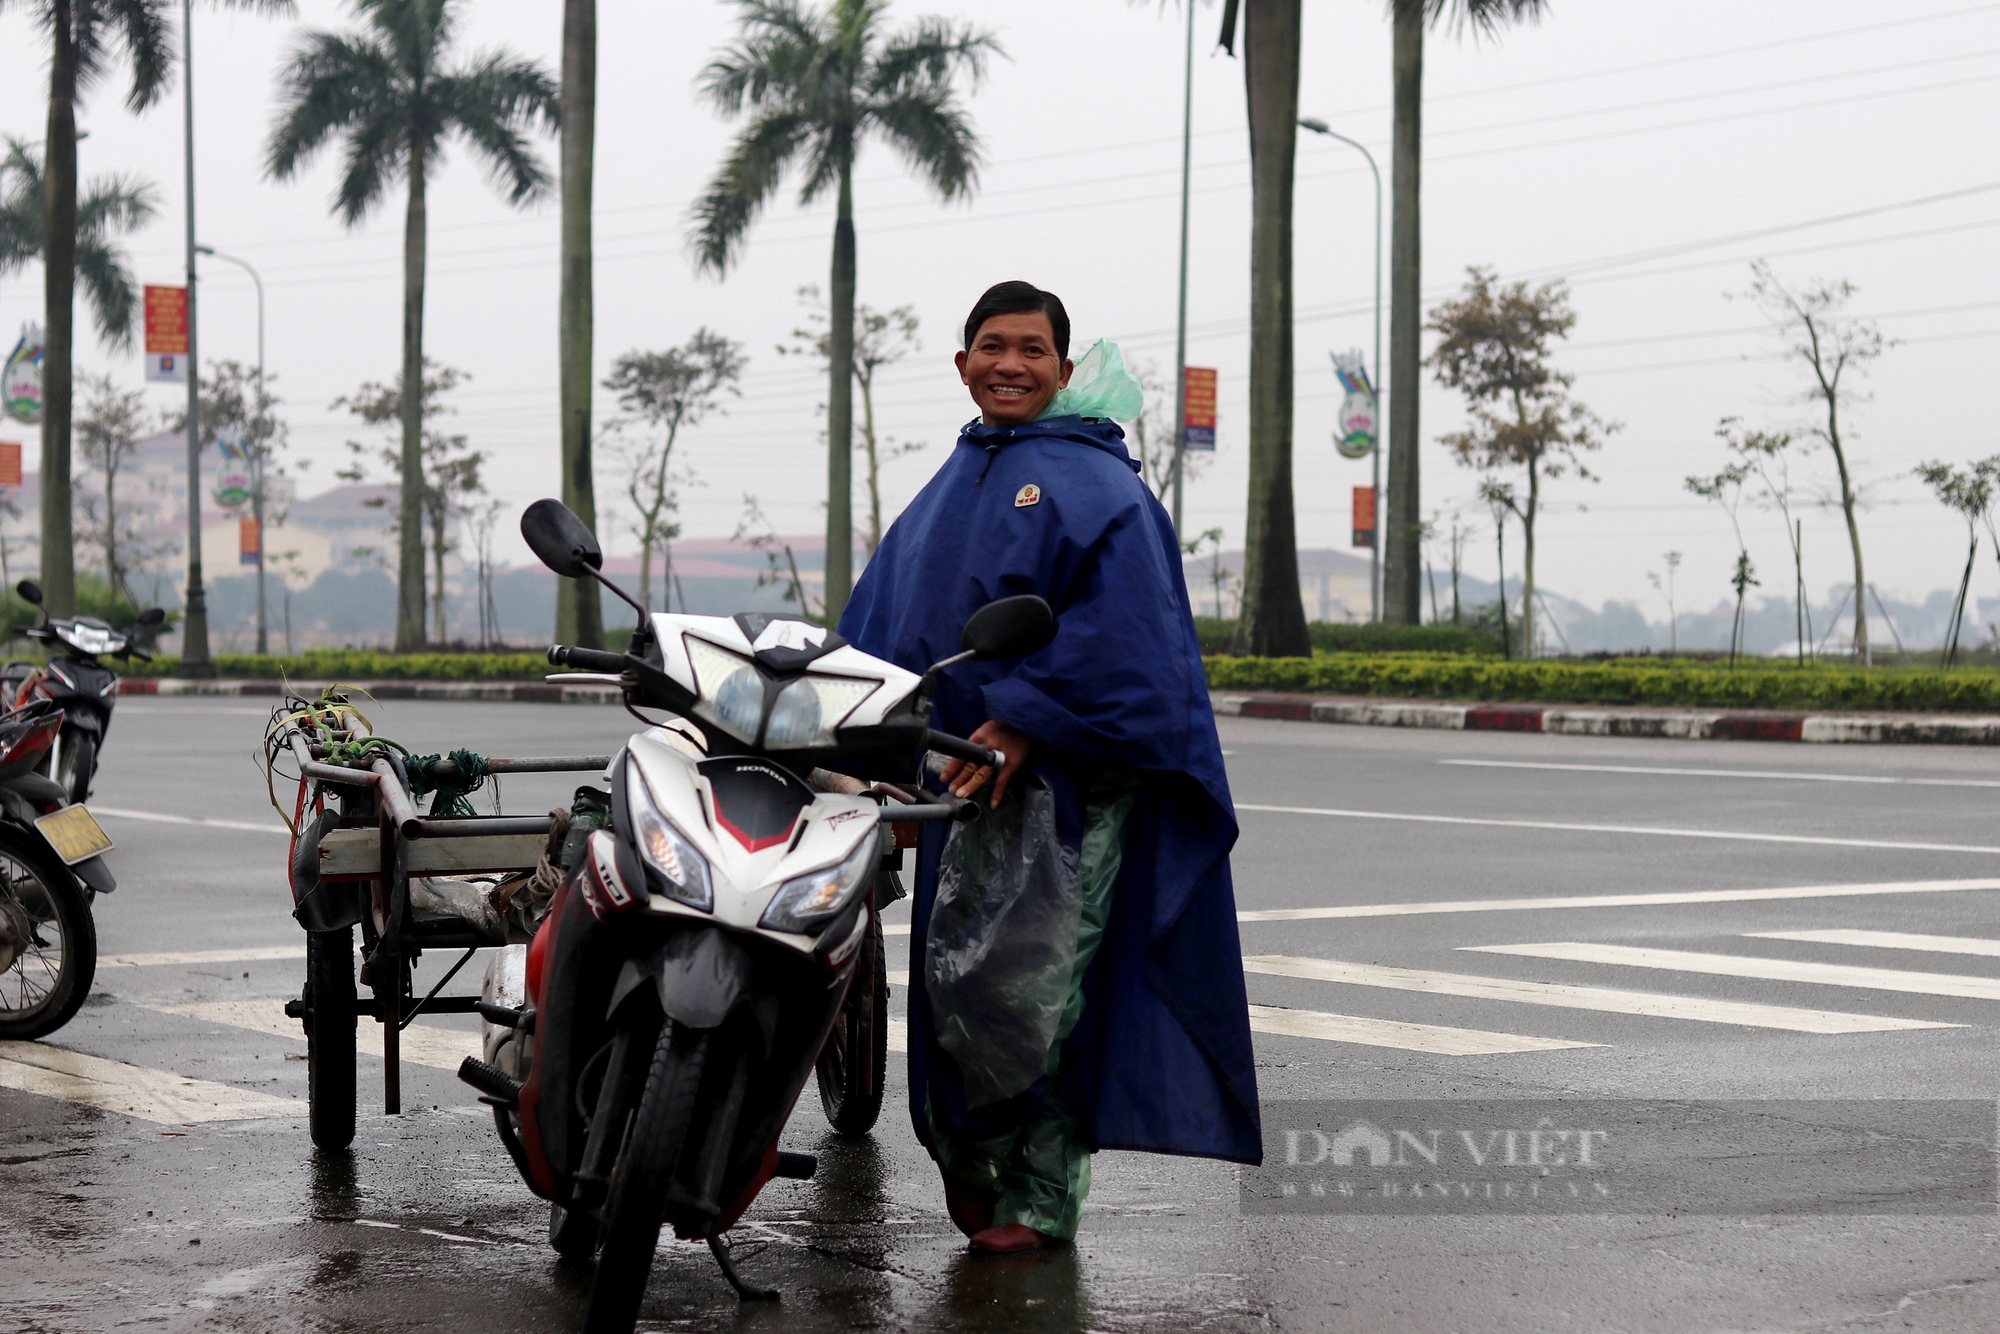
(1365, 637)
(1647, 682)
(334, 664)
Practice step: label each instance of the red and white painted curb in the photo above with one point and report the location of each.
(527, 692)
(1570, 720)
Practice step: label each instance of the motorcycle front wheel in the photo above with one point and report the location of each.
(854, 1063)
(641, 1178)
(48, 940)
(77, 766)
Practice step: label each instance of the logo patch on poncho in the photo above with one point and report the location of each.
(1027, 495)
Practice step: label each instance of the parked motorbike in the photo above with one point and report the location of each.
(75, 679)
(682, 987)
(51, 867)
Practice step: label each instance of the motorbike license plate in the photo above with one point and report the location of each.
(74, 833)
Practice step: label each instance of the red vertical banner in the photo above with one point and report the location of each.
(10, 463)
(1364, 516)
(166, 334)
(1199, 409)
(249, 542)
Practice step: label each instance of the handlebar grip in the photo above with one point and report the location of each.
(944, 743)
(590, 659)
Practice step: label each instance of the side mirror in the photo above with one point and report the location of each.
(30, 591)
(1008, 628)
(560, 540)
(152, 617)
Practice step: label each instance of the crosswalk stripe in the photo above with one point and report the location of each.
(1437, 1039)
(422, 1043)
(1566, 996)
(1652, 830)
(1891, 940)
(1769, 970)
(160, 817)
(1615, 900)
(1800, 775)
(159, 1096)
(256, 955)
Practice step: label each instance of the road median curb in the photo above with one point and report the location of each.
(1583, 720)
(526, 692)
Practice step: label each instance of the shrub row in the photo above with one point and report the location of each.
(333, 664)
(1654, 682)
(1365, 637)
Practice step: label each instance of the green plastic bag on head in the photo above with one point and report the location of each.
(1099, 387)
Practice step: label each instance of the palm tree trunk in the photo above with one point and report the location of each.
(1406, 318)
(410, 562)
(1271, 621)
(59, 317)
(579, 613)
(840, 407)
(874, 461)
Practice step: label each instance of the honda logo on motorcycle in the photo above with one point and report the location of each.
(606, 891)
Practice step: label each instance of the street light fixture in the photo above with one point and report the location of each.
(1318, 126)
(194, 626)
(255, 443)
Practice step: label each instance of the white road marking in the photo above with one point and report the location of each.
(1582, 998)
(158, 817)
(422, 1044)
(896, 929)
(1891, 940)
(1798, 775)
(257, 954)
(1769, 970)
(1616, 900)
(1653, 830)
(899, 1035)
(159, 1096)
(1434, 1038)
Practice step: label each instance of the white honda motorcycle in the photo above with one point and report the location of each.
(694, 964)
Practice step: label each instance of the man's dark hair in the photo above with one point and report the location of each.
(1019, 298)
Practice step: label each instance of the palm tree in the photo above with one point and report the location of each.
(111, 206)
(387, 91)
(85, 36)
(579, 614)
(1403, 555)
(1270, 618)
(816, 83)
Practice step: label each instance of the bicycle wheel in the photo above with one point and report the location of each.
(48, 940)
(854, 1063)
(641, 1178)
(329, 1021)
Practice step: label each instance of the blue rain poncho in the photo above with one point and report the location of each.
(1161, 1058)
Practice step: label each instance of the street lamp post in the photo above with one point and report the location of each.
(194, 627)
(255, 441)
(1180, 332)
(1381, 404)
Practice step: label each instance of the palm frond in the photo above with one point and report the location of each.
(109, 287)
(332, 82)
(147, 41)
(1483, 18)
(113, 204)
(491, 102)
(771, 62)
(934, 135)
(745, 182)
(21, 206)
(832, 154)
(931, 52)
(376, 149)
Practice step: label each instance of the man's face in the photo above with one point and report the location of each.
(1012, 368)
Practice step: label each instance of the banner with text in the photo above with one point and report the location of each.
(166, 334)
(1199, 409)
(1364, 517)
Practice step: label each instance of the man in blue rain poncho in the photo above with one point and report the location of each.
(1076, 982)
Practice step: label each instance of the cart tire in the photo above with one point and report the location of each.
(330, 1025)
(573, 1234)
(854, 1063)
(51, 939)
(641, 1178)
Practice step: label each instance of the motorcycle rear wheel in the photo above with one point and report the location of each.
(330, 1037)
(53, 939)
(641, 1178)
(854, 1063)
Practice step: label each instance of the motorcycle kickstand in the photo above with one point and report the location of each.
(720, 1250)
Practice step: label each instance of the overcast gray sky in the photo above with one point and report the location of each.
(1649, 152)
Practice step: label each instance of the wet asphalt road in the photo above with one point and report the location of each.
(116, 1221)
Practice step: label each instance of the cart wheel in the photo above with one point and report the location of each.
(329, 1021)
(854, 1063)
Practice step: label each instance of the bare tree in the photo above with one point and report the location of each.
(1969, 491)
(1499, 498)
(107, 436)
(1768, 455)
(756, 530)
(664, 392)
(1726, 490)
(1218, 578)
(237, 404)
(1495, 344)
(1834, 347)
(1665, 588)
(1153, 434)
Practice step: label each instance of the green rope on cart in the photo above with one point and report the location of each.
(452, 794)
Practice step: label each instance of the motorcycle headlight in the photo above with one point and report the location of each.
(808, 902)
(807, 710)
(731, 693)
(665, 849)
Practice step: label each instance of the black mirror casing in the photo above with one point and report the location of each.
(30, 591)
(151, 617)
(560, 540)
(1008, 628)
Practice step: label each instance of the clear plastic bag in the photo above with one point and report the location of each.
(1099, 387)
(1001, 945)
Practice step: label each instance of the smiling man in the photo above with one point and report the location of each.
(1076, 982)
